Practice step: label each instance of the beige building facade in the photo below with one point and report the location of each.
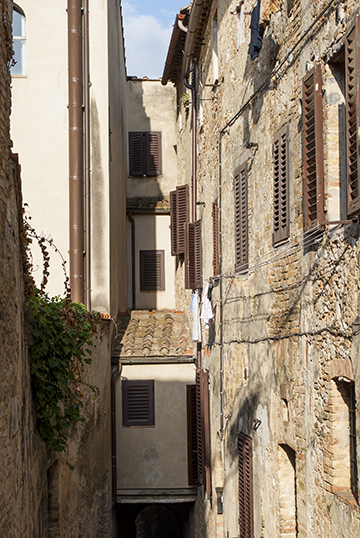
(276, 162)
(40, 106)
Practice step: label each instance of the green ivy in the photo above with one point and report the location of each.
(61, 341)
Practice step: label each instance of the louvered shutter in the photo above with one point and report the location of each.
(138, 403)
(313, 148)
(192, 435)
(152, 270)
(352, 54)
(246, 508)
(153, 153)
(241, 218)
(203, 429)
(199, 429)
(193, 255)
(216, 256)
(281, 185)
(137, 154)
(179, 215)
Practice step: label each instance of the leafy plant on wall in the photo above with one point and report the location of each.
(61, 337)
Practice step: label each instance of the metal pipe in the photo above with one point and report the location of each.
(113, 433)
(75, 151)
(221, 300)
(87, 192)
(133, 273)
(195, 13)
(193, 148)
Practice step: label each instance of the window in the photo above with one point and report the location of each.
(313, 154)
(179, 216)
(138, 407)
(215, 49)
(281, 185)
(152, 270)
(19, 40)
(352, 66)
(287, 492)
(145, 154)
(341, 461)
(193, 256)
(203, 429)
(241, 218)
(192, 435)
(216, 251)
(246, 508)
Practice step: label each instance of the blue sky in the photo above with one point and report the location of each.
(148, 26)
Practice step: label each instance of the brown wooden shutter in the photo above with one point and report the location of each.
(138, 403)
(179, 216)
(281, 185)
(241, 218)
(216, 255)
(203, 429)
(192, 435)
(137, 154)
(313, 149)
(352, 54)
(193, 256)
(246, 507)
(152, 270)
(153, 153)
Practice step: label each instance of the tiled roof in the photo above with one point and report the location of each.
(153, 334)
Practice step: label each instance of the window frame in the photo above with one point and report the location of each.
(145, 153)
(19, 39)
(159, 278)
(133, 384)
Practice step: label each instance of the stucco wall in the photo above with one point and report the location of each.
(155, 457)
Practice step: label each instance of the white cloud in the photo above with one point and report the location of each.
(146, 43)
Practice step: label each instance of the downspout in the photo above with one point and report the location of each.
(75, 151)
(193, 146)
(221, 303)
(86, 156)
(195, 13)
(133, 273)
(116, 372)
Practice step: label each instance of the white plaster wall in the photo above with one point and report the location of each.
(39, 123)
(155, 457)
(152, 232)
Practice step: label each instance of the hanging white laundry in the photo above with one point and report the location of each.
(240, 34)
(196, 332)
(207, 313)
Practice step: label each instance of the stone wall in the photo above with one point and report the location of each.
(290, 321)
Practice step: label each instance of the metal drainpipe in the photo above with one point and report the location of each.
(221, 302)
(194, 151)
(87, 192)
(75, 151)
(133, 273)
(113, 433)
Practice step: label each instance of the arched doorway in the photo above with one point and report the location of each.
(157, 521)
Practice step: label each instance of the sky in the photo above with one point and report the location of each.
(148, 27)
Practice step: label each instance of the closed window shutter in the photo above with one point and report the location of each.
(352, 52)
(216, 255)
(179, 216)
(153, 153)
(203, 429)
(246, 508)
(193, 255)
(152, 270)
(281, 185)
(241, 218)
(145, 158)
(138, 403)
(313, 148)
(136, 154)
(192, 435)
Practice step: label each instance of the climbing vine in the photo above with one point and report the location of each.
(61, 335)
